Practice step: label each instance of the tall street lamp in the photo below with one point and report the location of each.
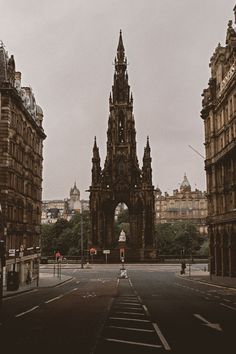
(3, 234)
(82, 237)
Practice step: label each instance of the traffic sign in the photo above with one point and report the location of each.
(106, 251)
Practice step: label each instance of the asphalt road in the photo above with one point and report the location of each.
(153, 311)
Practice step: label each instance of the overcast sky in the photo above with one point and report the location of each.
(65, 50)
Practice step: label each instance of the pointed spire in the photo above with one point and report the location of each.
(120, 49)
(148, 146)
(95, 142)
(95, 150)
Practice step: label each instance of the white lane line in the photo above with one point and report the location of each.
(25, 312)
(75, 270)
(130, 283)
(133, 329)
(134, 343)
(130, 313)
(54, 299)
(162, 338)
(127, 319)
(128, 303)
(229, 307)
(78, 282)
(128, 300)
(139, 298)
(146, 310)
(117, 283)
(226, 300)
(217, 297)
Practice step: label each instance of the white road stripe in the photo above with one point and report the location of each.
(130, 313)
(128, 303)
(229, 307)
(127, 319)
(134, 300)
(25, 312)
(226, 300)
(162, 338)
(130, 283)
(146, 310)
(117, 283)
(78, 282)
(134, 343)
(54, 299)
(75, 270)
(133, 329)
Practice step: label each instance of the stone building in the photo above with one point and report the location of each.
(21, 161)
(52, 210)
(219, 116)
(184, 205)
(121, 180)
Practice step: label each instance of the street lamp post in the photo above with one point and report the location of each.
(3, 236)
(82, 237)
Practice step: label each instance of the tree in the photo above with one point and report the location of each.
(65, 236)
(178, 238)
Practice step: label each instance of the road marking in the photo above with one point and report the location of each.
(25, 312)
(146, 310)
(139, 298)
(75, 270)
(229, 307)
(78, 282)
(130, 283)
(207, 323)
(133, 329)
(54, 299)
(117, 283)
(206, 298)
(217, 297)
(127, 319)
(128, 303)
(130, 313)
(162, 338)
(134, 343)
(226, 300)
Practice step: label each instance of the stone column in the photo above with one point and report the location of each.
(225, 254)
(212, 251)
(218, 260)
(232, 251)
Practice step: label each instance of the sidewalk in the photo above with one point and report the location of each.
(204, 277)
(45, 280)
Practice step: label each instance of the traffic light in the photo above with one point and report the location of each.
(2, 253)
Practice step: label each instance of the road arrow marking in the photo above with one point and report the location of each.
(215, 326)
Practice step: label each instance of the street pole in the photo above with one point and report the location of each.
(3, 237)
(82, 237)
